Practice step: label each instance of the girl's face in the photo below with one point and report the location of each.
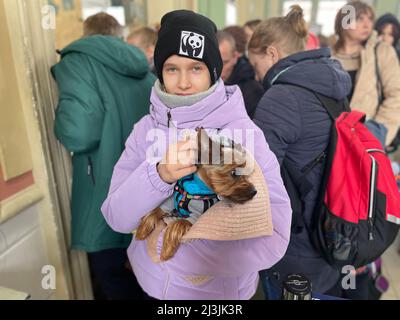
(262, 62)
(386, 34)
(184, 76)
(363, 28)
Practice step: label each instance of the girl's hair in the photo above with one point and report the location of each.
(252, 24)
(290, 33)
(385, 20)
(360, 8)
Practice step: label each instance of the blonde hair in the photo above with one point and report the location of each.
(289, 33)
(360, 8)
(148, 36)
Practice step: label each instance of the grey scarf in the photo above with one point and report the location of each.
(173, 101)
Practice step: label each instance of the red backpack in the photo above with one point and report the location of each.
(357, 214)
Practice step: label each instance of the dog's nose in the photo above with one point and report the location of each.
(253, 193)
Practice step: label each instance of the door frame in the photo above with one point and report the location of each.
(38, 45)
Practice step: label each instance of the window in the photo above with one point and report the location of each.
(231, 13)
(326, 15)
(91, 7)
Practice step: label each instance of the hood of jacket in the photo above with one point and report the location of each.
(242, 72)
(217, 110)
(314, 70)
(113, 53)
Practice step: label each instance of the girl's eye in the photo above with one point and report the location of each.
(171, 69)
(197, 68)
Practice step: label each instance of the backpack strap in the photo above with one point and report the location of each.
(297, 183)
(379, 84)
(332, 106)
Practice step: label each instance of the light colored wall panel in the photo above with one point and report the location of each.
(249, 10)
(15, 154)
(23, 254)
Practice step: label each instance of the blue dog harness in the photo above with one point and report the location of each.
(191, 188)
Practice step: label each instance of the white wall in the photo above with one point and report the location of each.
(23, 254)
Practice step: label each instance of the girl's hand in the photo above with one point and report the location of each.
(178, 162)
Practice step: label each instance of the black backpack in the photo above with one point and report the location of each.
(347, 228)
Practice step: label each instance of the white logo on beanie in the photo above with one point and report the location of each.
(192, 44)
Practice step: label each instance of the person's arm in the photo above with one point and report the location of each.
(139, 185)
(80, 111)
(389, 110)
(136, 187)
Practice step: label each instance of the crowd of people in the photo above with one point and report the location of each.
(120, 100)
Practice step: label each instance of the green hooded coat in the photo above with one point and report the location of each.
(104, 86)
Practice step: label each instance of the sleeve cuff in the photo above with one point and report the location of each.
(156, 180)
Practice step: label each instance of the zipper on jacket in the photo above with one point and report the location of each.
(169, 117)
(372, 195)
(313, 163)
(90, 169)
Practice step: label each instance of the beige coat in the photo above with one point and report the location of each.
(365, 97)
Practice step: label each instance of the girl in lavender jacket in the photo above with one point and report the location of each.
(190, 94)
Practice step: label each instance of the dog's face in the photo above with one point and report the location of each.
(224, 177)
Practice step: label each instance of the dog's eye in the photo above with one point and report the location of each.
(233, 173)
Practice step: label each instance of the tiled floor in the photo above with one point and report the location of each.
(391, 270)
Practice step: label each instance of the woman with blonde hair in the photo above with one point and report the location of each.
(297, 128)
(372, 65)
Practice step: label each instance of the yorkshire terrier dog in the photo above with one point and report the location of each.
(196, 193)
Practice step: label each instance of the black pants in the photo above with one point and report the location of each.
(359, 293)
(116, 281)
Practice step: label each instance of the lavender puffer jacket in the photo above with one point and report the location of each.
(229, 267)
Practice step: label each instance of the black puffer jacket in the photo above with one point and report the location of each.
(297, 127)
(244, 76)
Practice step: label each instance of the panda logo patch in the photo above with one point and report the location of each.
(192, 44)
